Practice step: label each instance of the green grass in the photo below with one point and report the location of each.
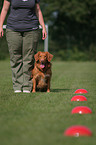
(41, 118)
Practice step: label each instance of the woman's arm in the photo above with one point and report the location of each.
(3, 15)
(41, 21)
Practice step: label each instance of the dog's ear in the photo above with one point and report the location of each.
(49, 56)
(36, 56)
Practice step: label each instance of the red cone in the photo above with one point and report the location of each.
(81, 91)
(77, 131)
(81, 110)
(79, 98)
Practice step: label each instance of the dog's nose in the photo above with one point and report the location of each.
(42, 60)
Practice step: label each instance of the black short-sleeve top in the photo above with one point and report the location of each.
(22, 15)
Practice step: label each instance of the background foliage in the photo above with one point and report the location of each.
(72, 28)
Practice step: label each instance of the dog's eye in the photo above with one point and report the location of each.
(39, 56)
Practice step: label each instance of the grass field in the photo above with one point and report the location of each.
(41, 118)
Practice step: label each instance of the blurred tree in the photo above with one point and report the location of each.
(73, 24)
(0, 5)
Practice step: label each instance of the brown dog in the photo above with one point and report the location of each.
(42, 71)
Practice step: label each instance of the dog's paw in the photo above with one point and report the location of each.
(48, 91)
(33, 91)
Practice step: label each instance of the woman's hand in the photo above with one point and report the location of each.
(1, 32)
(44, 34)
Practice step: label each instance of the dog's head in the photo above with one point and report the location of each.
(43, 57)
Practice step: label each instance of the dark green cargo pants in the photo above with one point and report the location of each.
(22, 47)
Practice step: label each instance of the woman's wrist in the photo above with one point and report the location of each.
(1, 24)
(44, 28)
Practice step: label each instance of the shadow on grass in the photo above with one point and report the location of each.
(60, 90)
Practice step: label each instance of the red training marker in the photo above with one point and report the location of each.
(79, 98)
(81, 91)
(77, 131)
(81, 110)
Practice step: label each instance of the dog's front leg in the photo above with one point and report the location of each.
(34, 85)
(48, 85)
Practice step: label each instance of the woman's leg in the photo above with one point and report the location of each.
(30, 41)
(14, 40)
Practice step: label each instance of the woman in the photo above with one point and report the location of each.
(22, 37)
